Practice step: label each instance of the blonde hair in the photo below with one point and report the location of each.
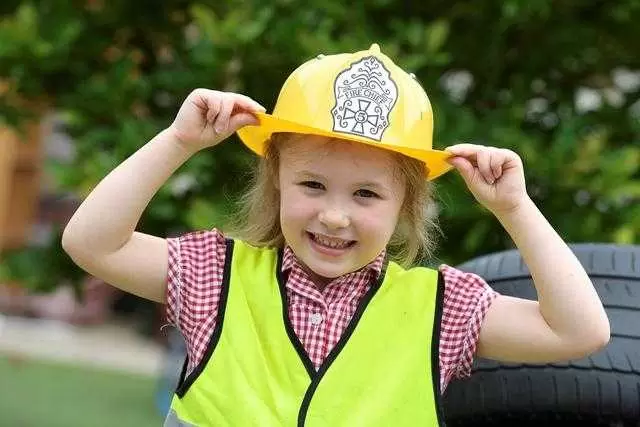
(258, 218)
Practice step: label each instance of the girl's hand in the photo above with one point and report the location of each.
(207, 117)
(495, 176)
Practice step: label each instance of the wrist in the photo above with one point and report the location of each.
(518, 210)
(172, 135)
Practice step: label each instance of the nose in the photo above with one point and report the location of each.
(334, 218)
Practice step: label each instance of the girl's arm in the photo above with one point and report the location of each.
(568, 321)
(101, 237)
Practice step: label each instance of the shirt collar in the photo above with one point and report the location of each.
(290, 260)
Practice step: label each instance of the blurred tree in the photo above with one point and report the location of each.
(556, 81)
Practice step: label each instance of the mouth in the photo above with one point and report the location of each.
(331, 243)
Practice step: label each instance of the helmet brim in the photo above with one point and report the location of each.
(255, 138)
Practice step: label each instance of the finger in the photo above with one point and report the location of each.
(467, 150)
(463, 166)
(248, 103)
(484, 165)
(214, 105)
(496, 161)
(222, 121)
(240, 120)
(510, 158)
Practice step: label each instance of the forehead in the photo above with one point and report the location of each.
(328, 155)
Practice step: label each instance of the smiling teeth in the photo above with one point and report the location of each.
(335, 244)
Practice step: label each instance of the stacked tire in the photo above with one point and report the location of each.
(600, 390)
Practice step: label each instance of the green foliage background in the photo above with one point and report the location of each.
(117, 70)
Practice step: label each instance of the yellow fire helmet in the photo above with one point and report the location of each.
(362, 97)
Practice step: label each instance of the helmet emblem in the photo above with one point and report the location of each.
(365, 95)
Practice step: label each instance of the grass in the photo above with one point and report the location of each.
(34, 394)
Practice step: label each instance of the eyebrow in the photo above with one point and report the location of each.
(310, 174)
(369, 184)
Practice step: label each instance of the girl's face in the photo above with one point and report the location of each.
(339, 203)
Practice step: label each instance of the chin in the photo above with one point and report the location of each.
(329, 272)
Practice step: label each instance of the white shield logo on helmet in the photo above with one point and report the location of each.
(365, 95)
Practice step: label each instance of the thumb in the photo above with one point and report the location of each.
(240, 120)
(463, 166)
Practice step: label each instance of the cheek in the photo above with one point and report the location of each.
(379, 222)
(295, 206)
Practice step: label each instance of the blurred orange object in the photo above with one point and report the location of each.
(20, 175)
(7, 159)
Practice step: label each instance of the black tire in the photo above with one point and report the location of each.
(603, 389)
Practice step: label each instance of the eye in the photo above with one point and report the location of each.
(314, 185)
(368, 194)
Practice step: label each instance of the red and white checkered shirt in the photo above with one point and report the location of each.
(318, 317)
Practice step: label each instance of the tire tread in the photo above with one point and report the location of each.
(603, 386)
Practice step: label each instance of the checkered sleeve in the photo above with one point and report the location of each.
(467, 298)
(194, 280)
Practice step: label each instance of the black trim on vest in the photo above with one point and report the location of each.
(217, 332)
(315, 381)
(183, 373)
(304, 357)
(435, 349)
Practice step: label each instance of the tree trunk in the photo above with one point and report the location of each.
(20, 174)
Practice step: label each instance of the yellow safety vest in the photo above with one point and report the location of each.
(384, 371)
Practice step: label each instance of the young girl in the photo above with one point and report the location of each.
(312, 315)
